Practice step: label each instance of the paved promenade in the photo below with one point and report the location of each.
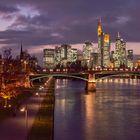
(14, 128)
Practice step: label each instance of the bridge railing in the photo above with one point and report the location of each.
(94, 70)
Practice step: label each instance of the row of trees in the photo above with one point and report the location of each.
(13, 70)
(10, 65)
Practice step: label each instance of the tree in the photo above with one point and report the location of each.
(7, 55)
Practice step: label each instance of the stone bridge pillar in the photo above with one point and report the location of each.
(91, 83)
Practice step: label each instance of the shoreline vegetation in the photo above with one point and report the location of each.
(43, 125)
(15, 102)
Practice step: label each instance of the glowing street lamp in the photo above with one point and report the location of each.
(37, 94)
(6, 98)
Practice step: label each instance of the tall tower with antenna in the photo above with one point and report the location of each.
(99, 29)
(103, 47)
(100, 35)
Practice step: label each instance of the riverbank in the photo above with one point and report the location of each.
(17, 127)
(38, 107)
(43, 125)
(42, 128)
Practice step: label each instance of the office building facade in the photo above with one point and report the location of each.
(48, 58)
(120, 52)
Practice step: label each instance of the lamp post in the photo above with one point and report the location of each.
(5, 101)
(25, 65)
(6, 98)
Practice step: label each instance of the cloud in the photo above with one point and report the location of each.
(4, 9)
(123, 20)
(56, 35)
(41, 22)
(28, 11)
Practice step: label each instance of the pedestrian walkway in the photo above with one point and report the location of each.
(16, 128)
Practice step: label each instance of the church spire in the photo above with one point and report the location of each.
(21, 52)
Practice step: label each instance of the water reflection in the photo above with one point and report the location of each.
(89, 114)
(113, 112)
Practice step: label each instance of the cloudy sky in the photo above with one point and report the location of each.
(38, 23)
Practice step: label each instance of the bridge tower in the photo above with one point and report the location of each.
(91, 83)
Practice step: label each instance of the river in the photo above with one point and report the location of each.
(112, 113)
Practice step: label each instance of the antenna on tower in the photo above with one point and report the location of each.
(100, 20)
(118, 34)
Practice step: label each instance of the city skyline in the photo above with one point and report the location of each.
(42, 24)
(69, 70)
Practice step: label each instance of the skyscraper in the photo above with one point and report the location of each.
(87, 50)
(64, 51)
(94, 59)
(130, 58)
(103, 47)
(48, 58)
(72, 54)
(120, 52)
(57, 55)
(100, 44)
(106, 51)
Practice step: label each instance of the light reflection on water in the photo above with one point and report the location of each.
(112, 113)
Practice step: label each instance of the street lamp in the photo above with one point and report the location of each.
(6, 98)
(37, 94)
(25, 65)
(25, 110)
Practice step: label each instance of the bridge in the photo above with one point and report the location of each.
(89, 76)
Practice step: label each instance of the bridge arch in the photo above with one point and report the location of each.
(58, 75)
(118, 73)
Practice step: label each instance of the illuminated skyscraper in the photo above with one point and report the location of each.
(87, 50)
(99, 30)
(57, 55)
(69, 54)
(106, 51)
(64, 51)
(72, 55)
(94, 59)
(48, 58)
(103, 47)
(130, 58)
(100, 44)
(120, 52)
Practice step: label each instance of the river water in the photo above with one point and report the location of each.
(112, 113)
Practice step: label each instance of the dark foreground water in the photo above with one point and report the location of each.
(112, 113)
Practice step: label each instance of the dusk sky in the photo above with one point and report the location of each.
(38, 23)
